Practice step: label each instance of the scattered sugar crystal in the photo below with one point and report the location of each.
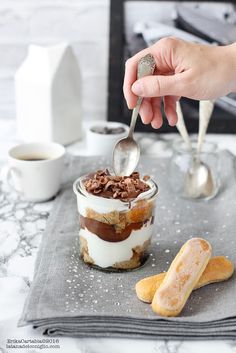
(167, 250)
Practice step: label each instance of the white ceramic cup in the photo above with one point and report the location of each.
(102, 144)
(35, 170)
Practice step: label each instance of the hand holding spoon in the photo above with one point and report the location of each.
(127, 152)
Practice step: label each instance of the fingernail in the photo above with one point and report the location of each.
(171, 123)
(137, 88)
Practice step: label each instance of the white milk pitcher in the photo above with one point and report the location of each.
(48, 95)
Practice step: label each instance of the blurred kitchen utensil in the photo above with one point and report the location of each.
(182, 127)
(199, 180)
(127, 152)
(205, 112)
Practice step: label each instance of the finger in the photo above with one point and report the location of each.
(170, 109)
(159, 86)
(157, 119)
(145, 111)
(130, 77)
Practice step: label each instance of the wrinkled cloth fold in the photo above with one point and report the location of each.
(67, 297)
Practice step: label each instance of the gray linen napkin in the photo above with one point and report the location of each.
(67, 297)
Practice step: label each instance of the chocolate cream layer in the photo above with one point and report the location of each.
(108, 232)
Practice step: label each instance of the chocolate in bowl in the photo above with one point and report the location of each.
(106, 130)
(114, 231)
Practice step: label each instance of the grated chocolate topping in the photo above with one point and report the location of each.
(124, 188)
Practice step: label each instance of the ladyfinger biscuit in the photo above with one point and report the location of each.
(182, 277)
(218, 269)
(146, 287)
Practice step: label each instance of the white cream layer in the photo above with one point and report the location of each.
(105, 253)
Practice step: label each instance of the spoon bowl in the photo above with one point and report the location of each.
(126, 153)
(199, 181)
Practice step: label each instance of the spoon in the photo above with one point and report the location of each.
(199, 181)
(182, 127)
(126, 152)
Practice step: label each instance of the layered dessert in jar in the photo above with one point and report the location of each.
(116, 218)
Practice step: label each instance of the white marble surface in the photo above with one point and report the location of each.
(21, 229)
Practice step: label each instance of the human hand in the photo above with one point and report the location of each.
(183, 69)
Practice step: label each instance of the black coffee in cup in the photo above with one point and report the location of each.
(33, 158)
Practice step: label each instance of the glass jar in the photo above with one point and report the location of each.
(185, 180)
(115, 234)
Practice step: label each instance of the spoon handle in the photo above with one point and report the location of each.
(205, 111)
(182, 127)
(134, 116)
(146, 67)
